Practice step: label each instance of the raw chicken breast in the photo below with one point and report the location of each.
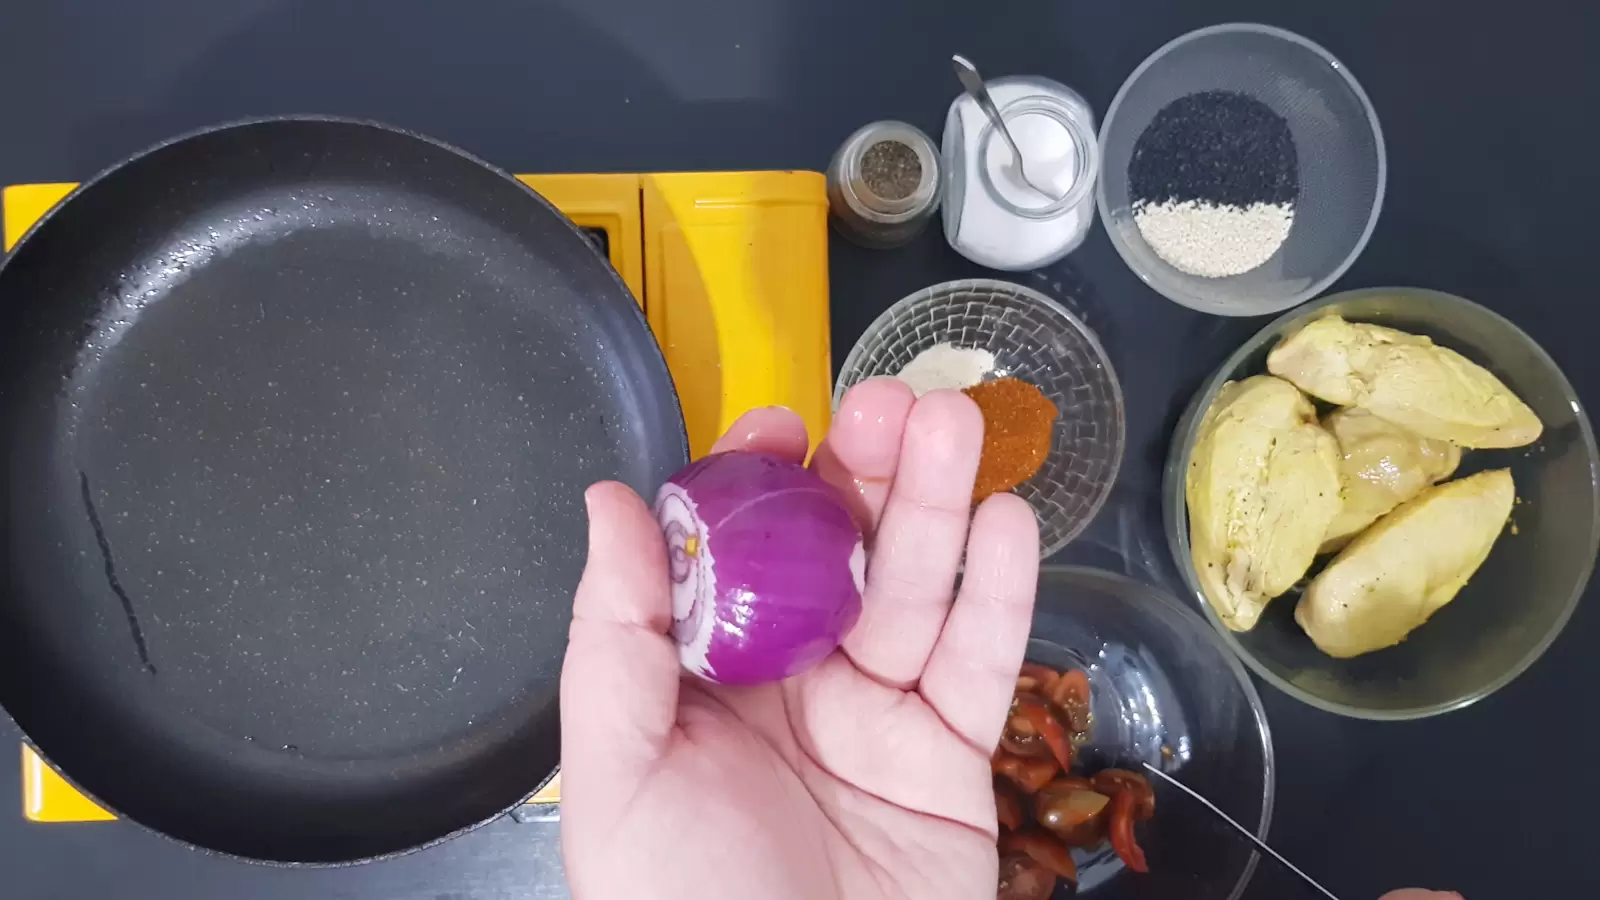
(1381, 466)
(1406, 567)
(1262, 488)
(1408, 380)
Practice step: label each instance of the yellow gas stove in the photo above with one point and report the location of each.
(731, 269)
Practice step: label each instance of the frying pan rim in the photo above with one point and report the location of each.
(655, 360)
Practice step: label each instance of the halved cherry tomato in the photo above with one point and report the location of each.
(1070, 782)
(1055, 809)
(1073, 813)
(1071, 693)
(1021, 738)
(1007, 807)
(1122, 832)
(1087, 834)
(1035, 678)
(1042, 849)
(1028, 748)
(1021, 878)
(1017, 723)
(1044, 721)
(1113, 781)
(1028, 774)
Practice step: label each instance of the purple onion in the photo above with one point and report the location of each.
(767, 567)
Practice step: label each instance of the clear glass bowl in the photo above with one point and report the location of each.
(1340, 147)
(1035, 339)
(1166, 691)
(1519, 600)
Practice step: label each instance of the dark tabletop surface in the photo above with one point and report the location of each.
(1488, 109)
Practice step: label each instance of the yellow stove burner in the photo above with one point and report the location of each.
(731, 269)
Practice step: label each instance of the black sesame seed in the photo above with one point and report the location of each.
(1216, 147)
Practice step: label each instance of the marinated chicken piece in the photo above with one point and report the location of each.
(1406, 379)
(1381, 466)
(1262, 488)
(1406, 567)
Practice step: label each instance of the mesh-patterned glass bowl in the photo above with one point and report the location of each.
(1035, 339)
(1337, 138)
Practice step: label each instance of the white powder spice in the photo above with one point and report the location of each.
(1214, 241)
(946, 367)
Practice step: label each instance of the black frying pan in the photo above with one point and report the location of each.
(297, 415)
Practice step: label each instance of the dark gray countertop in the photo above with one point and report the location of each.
(1488, 111)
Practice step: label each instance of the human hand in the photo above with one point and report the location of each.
(866, 777)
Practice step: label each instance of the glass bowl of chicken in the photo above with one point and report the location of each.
(1386, 502)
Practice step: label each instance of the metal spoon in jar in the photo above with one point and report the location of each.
(1241, 829)
(972, 82)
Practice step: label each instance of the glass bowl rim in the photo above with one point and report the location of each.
(1175, 508)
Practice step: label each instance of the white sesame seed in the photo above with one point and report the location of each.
(1210, 240)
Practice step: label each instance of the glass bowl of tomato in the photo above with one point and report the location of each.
(1118, 674)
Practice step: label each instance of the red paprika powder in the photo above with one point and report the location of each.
(1018, 420)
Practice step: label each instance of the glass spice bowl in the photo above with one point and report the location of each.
(1034, 339)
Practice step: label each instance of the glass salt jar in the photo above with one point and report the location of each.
(991, 215)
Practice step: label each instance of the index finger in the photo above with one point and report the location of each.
(919, 541)
(773, 430)
(861, 453)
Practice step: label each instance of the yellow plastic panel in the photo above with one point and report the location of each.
(46, 796)
(736, 281)
(26, 204)
(550, 793)
(609, 202)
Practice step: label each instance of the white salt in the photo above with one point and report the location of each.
(946, 367)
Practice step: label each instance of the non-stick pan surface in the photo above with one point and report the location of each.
(297, 416)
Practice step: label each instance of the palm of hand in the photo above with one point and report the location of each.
(866, 777)
(738, 809)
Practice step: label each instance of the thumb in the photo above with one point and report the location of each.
(619, 683)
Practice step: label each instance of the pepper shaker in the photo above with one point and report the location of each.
(884, 184)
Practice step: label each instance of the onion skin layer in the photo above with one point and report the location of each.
(767, 566)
